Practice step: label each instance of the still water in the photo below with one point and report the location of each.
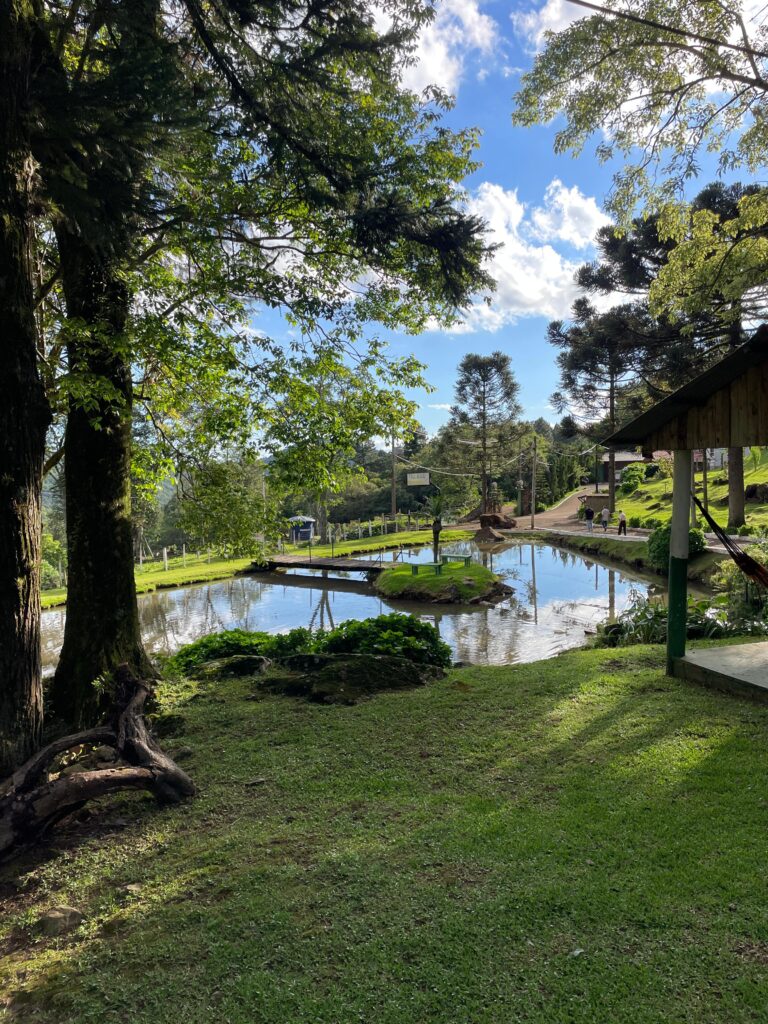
(557, 596)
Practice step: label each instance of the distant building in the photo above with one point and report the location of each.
(623, 459)
(302, 528)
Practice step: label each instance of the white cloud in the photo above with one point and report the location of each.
(440, 405)
(459, 29)
(567, 215)
(553, 16)
(532, 277)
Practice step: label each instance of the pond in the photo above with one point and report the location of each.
(558, 597)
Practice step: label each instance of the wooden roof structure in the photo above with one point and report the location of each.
(724, 407)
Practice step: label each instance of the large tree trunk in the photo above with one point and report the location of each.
(102, 623)
(736, 506)
(24, 414)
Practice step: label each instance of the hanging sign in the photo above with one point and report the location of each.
(418, 479)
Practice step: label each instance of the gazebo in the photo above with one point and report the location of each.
(724, 407)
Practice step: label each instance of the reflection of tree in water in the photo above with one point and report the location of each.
(323, 609)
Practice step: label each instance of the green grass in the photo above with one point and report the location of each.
(198, 569)
(633, 553)
(574, 841)
(393, 540)
(654, 497)
(455, 583)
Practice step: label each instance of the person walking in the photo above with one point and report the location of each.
(605, 516)
(622, 524)
(589, 517)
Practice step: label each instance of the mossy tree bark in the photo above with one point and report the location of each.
(102, 624)
(24, 413)
(736, 504)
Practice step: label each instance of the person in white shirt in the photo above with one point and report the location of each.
(622, 524)
(605, 516)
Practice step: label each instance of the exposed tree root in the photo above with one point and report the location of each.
(31, 803)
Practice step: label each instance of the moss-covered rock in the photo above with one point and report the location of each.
(344, 678)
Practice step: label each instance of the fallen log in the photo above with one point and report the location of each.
(31, 802)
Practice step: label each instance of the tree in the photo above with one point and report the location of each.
(434, 506)
(263, 169)
(599, 360)
(668, 88)
(679, 339)
(24, 411)
(486, 400)
(664, 88)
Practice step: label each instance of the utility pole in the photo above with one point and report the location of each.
(520, 479)
(394, 478)
(533, 483)
(597, 471)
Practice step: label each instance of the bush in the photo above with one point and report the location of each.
(651, 470)
(634, 522)
(745, 531)
(631, 478)
(658, 545)
(645, 622)
(49, 577)
(239, 641)
(404, 636)
(651, 523)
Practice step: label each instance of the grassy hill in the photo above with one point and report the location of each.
(653, 499)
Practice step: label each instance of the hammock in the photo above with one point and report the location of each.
(754, 570)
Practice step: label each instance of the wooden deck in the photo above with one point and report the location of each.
(338, 564)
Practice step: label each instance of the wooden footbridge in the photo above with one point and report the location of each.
(337, 564)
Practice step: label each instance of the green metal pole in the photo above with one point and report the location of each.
(677, 601)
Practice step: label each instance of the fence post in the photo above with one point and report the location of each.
(165, 559)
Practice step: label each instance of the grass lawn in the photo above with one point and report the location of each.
(634, 553)
(455, 583)
(198, 569)
(654, 497)
(577, 841)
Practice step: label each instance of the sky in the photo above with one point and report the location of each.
(544, 209)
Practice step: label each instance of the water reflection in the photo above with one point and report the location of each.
(558, 596)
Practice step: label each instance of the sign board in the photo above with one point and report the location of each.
(418, 479)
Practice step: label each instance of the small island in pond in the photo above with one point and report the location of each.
(454, 583)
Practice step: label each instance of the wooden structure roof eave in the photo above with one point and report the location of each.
(724, 407)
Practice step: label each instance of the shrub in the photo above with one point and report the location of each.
(49, 577)
(239, 641)
(658, 545)
(651, 523)
(745, 531)
(651, 470)
(634, 522)
(645, 622)
(631, 478)
(403, 636)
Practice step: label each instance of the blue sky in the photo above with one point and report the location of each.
(543, 208)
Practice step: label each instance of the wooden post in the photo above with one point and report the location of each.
(704, 481)
(165, 559)
(533, 485)
(184, 554)
(677, 602)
